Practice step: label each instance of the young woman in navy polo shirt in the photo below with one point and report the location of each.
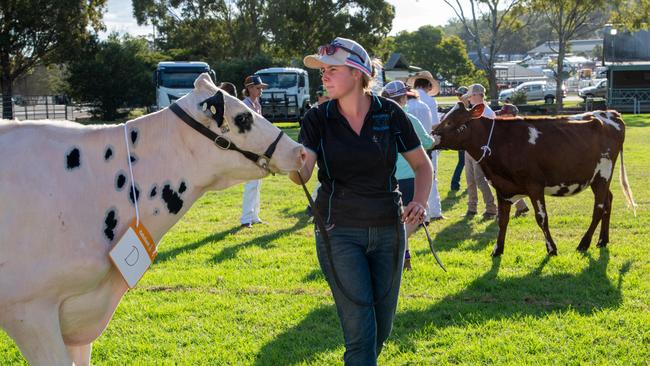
(355, 138)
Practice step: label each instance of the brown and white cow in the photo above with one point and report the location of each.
(538, 156)
(65, 193)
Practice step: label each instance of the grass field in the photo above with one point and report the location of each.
(218, 295)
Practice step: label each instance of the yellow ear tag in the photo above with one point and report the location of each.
(134, 253)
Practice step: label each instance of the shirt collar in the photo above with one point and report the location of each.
(332, 110)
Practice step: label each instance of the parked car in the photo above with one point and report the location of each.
(598, 90)
(535, 90)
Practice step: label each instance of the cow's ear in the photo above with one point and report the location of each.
(214, 107)
(477, 110)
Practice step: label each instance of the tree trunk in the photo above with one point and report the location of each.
(7, 105)
(492, 84)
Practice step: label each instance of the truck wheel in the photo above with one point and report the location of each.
(549, 99)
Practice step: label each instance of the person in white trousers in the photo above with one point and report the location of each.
(427, 87)
(250, 214)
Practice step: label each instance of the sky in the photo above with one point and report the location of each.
(410, 15)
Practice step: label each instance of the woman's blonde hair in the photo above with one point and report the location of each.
(367, 82)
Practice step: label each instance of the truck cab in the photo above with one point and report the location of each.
(174, 79)
(287, 97)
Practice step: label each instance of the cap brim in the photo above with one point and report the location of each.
(319, 61)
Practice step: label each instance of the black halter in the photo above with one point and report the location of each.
(222, 142)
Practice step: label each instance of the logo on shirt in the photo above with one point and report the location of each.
(380, 122)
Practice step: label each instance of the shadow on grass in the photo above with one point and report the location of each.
(487, 298)
(492, 298)
(451, 199)
(215, 237)
(450, 236)
(318, 332)
(636, 121)
(263, 241)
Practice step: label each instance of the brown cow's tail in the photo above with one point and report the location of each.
(626, 186)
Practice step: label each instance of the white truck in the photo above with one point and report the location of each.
(287, 97)
(174, 79)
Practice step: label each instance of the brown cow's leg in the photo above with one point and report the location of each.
(601, 190)
(603, 240)
(542, 220)
(504, 218)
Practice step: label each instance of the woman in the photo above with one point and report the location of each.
(250, 214)
(399, 93)
(355, 138)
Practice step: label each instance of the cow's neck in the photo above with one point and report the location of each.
(480, 132)
(169, 158)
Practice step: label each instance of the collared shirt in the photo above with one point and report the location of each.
(404, 170)
(254, 105)
(420, 110)
(488, 112)
(357, 171)
(432, 104)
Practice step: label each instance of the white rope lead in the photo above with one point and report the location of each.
(486, 148)
(128, 158)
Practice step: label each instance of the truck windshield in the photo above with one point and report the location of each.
(178, 79)
(280, 80)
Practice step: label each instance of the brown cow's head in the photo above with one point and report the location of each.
(453, 132)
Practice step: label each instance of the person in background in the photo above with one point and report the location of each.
(427, 87)
(229, 88)
(511, 110)
(321, 96)
(398, 92)
(455, 178)
(473, 172)
(250, 214)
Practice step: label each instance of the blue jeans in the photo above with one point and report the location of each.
(363, 258)
(455, 179)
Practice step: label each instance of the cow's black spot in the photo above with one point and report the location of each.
(182, 188)
(137, 194)
(120, 180)
(217, 102)
(108, 154)
(172, 199)
(244, 121)
(73, 159)
(133, 158)
(110, 222)
(134, 136)
(153, 192)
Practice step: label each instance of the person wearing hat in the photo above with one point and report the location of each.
(511, 110)
(250, 214)
(473, 172)
(321, 96)
(427, 87)
(458, 170)
(399, 92)
(229, 88)
(355, 138)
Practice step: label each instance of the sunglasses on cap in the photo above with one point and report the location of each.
(330, 49)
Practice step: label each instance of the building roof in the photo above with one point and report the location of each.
(575, 46)
(397, 61)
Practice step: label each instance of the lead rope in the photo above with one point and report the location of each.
(128, 158)
(486, 148)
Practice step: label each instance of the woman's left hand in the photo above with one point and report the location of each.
(414, 213)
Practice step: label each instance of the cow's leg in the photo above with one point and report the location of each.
(35, 329)
(504, 218)
(600, 189)
(603, 240)
(542, 220)
(80, 354)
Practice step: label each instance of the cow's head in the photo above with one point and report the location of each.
(235, 123)
(454, 131)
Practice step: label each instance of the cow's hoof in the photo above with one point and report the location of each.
(497, 251)
(552, 253)
(601, 243)
(584, 245)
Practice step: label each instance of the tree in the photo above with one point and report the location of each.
(113, 74)
(568, 19)
(429, 48)
(33, 32)
(501, 18)
(632, 14)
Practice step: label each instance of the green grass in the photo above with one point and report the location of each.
(219, 295)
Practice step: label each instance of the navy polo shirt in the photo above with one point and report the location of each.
(357, 172)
